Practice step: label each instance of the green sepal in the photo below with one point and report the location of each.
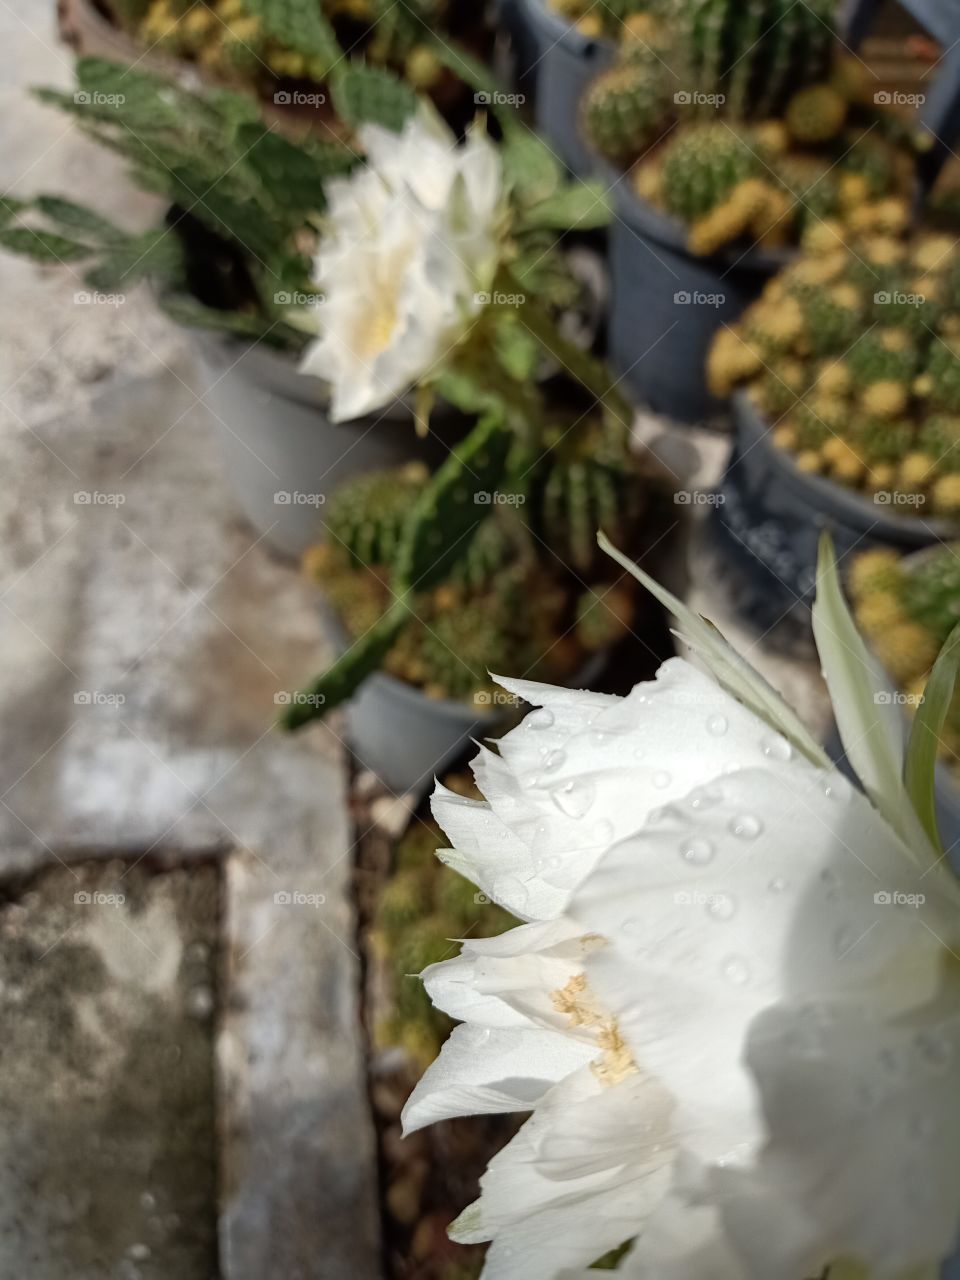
(920, 764)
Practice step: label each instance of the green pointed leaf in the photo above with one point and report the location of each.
(157, 253)
(730, 670)
(44, 246)
(579, 205)
(76, 217)
(869, 724)
(299, 25)
(372, 95)
(920, 767)
(453, 505)
(343, 679)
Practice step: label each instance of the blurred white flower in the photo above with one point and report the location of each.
(410, 245)
(734, 1007)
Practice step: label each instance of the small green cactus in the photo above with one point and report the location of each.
(816, 114)
(755, 53)
(367, 516)
(702, 166)
(624, 106)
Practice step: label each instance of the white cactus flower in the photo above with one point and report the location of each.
(409, 250)
(733, 1009)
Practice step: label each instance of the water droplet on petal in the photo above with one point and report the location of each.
(775, 747)
(631, 925)
(599, 737)
(838, 788)
(747, 826)
(553, 760)
(777, 884)
(540, 719)
(721, 907)
(736, 970)
(696, 851)
(661, 779)
(717, 726)
(574, 798)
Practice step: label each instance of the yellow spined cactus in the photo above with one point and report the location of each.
(907, 650)
(878, 611)
(731, 359)
(934, 253)
(945, 495)
(853, 190)
(824, 236)
(885, 399)
(833, 378)
(784, 437)
(916, 471)
(876, 570)
(816, 114)
(809, 462)
(881, 476)
(590, 25)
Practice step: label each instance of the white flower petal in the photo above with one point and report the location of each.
(767, 891)
(507, 981)
(534, 1199)
(582, 773)
(483, 1072)
(863, 1158)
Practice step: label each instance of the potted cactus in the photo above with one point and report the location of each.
(731, 129)
(848, 412)
(562, 45)
(521, 586)
(309, 379)
(907, 606)
(288, 52)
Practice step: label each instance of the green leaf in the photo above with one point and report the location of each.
(341, 681)
(77, 217)
(869, 724)
(299, 25)
(372, 95)
(919, 772)
(729, 669)
(530, 169)
(157, 252)
(293, 177)
(44, 246)
(452, 507)
(580, 205)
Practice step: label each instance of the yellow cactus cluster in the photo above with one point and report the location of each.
(852, 353)
(625, 22)
(897, 616)
(225, 38)
(754, 208)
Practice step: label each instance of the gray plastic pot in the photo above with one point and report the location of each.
(560, 63)
(406, 738)
(282, 454)
(769, 515)
(667, 305)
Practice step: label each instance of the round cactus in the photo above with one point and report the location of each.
(702, 166)
(816, 114)
(624, 106)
